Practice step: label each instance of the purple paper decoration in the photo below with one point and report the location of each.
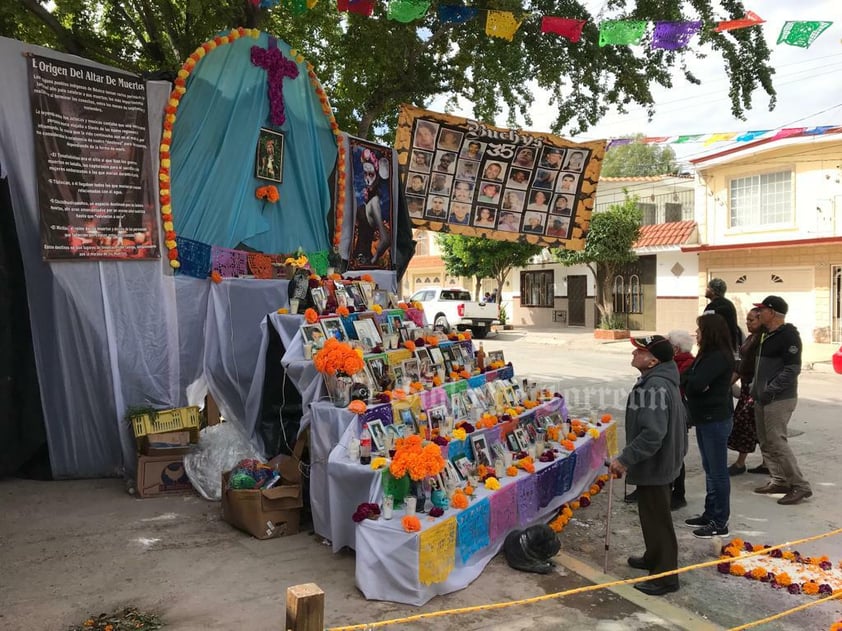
(433, 398)
(503, 512)
(583, 460)
(527, 499)
(618, 142)
(472, 530)
(229, 263)
(277, 69)
(492, 434)
(547, 483)
(417, 317)
(599, 451)
(195, 257)
(381, 412)
(674, 35)
(566, 470)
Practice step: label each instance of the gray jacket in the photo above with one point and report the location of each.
(656, 428)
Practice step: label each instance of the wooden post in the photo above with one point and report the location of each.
(305, 608)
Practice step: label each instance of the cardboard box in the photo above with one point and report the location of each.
(264, 514)
(161, 475)
(168, 443)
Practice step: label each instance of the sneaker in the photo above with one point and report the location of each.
(701, 520)
(710, 531)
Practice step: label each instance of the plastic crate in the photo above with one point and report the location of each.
(166, 421)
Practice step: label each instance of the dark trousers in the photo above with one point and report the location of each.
(678, 484)
(653, 507)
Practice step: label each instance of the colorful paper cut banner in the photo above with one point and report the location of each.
(621, 32)
(674, 35)
(502, 24)
(455, 14)
(802, 34)
(567, 28)
(750, 19)
(407, 10)
(437, 552)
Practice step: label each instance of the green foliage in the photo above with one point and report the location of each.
(483, 258)
(369, 66)
(638, 158)
(611, 322)
(608, 247)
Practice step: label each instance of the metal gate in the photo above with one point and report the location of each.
(577, 293)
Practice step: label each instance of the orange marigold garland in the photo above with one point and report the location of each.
(338, 357)
(417, 460)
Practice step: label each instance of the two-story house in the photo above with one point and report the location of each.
(770, 222)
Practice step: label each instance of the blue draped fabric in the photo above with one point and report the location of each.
(214, 144)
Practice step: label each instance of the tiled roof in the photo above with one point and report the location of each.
(643, 178)
(671, 233)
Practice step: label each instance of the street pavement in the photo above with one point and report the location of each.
(74, 548)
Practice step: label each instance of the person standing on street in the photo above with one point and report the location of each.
(719, 304)
(775, 393)
(656, 442)
(682, 343)
(743, 438)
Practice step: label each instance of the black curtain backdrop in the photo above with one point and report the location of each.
(23, 439)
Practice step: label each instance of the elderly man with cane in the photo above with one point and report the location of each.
(656, 442)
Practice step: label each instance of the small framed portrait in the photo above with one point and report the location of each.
(473, 398)
(412, 369)
(357, 297)
(313, 333)
(512, 442)
(436, 416)
(269, 164)
(485, 217)
(450, 139)
(496, 356)
(509, 396)
(558, 226)
(409, 420)
(562, 205)
(416, 183)
(552, 158)
(576, 160)
(544, 178)
(397, 373)
(532, 431)
(425, 134)
(473, 150)
(319, 297)
(378, 371)
(367, 333)
(463, 466)
(378, 434)
(380, 297)
(367, 290)
(522, 437)
(333, 327)
(425, 362)
(421, 161)
(452, 479)
(482, 452)
(436, 356)
(567, 183)
(415, 206)
(499, 451)
(458, 405)
(341, 295)
(445, 162)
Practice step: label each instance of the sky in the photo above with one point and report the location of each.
(808, 84)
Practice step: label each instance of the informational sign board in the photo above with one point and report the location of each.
(461, 176)
(92, 156)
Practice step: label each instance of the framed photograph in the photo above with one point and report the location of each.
(512, 442)
(435, 416)
(531, 431)
(269, 164)
(342, 297)
(378, 434)
(451, 475)
(367, 290)
(398, 374)
(495, 356)
(333, 327)
(378, 371)
(425, 362)
(313, 333)
(473, 397)
(463, 466)
(367, 332)
(458, 405)
(522, 437)
(479, 445)
(412, 369)
(319, 297)
(436, 356)
(499, 451)
(380, 297)
(393, 300)
(509, 396)
(406, 416)
(360, 303)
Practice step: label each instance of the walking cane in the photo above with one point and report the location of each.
(608, 519)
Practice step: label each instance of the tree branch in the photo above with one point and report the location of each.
(69, 42)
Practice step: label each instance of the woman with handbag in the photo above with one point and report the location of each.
(711, 409)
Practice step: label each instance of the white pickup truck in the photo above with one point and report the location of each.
(453, 308)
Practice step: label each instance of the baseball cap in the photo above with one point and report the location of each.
(658, 345)
(775, 303)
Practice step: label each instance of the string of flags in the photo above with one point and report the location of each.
(667, 35)
(734, 136)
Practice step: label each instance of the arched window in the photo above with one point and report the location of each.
(635, 295)
(619, 294)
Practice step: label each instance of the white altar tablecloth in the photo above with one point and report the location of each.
(387, 557)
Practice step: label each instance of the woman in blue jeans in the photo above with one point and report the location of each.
(711, 410)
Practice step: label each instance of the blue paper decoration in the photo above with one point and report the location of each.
(472, 530)
(195, 257)
(547, 483)
(527, 499)
(566, 469)
(456, 14)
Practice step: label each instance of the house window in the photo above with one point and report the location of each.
(619, 294)
(537, 289)
(635, 295)
(762, 200)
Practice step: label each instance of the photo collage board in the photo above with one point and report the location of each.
(501, 184)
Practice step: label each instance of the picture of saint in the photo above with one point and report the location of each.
(425, 134)
(270, 155)
(371, 245)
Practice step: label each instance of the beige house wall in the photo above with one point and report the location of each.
(677, 313)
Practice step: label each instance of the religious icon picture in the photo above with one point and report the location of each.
(269, 164)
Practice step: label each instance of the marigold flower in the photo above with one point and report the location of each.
(575, 505)
(216, 276)
(311, 316)
(410, 346)
(459, 434)
(810, 587)
(367, 278)
(469, 490)
(342, 312)
(758, 573)
(357, 406)
(593, 433)
(783, 579)
(411, 523)
(283, 311)
(459, 499)
(606, 418)
(377, 309)
(511, 471)
(378, 463)
(492, 484)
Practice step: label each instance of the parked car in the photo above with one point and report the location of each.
(453, 308)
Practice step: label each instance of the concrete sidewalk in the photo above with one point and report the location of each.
(814, 356)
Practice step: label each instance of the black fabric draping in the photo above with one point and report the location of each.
(23, 439)
(280, 407)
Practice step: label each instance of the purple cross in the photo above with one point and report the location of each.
(277, 68)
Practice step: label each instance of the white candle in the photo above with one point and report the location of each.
(388, 505)
(409, 505)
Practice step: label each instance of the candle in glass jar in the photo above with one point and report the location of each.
(388, 506)
(409, 505)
